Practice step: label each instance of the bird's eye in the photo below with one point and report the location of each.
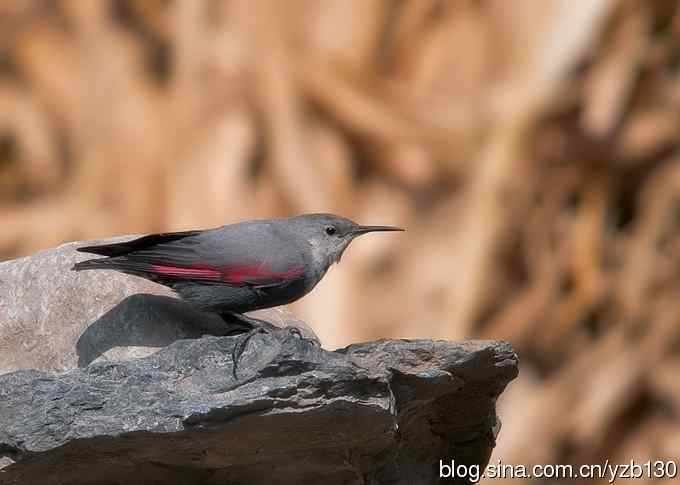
(330, 230)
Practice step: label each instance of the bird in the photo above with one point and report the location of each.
(237, 268)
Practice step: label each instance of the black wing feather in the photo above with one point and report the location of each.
(144, 242)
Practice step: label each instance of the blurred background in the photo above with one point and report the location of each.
(530, 147)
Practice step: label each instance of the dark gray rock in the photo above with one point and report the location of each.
(378, 412)
(109, 379)
(54, 319)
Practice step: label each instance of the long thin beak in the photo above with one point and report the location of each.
(366, 229)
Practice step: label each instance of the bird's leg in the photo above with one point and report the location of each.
(239, 323)
(240, 348)
(246, 324)
(251, 326)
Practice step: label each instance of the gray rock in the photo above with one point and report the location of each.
(377, 412)
(54, 319)
(109, 379)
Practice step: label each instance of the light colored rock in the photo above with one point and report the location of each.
(55, 319)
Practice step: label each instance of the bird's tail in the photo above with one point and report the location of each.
(120, 263)
(99, 263)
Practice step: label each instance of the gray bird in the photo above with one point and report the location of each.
(237, 268)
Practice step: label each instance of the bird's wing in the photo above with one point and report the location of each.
(242, 256)
(144, 242)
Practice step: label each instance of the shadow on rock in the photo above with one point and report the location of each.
(146, 320)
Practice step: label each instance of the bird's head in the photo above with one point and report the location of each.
(329, 235)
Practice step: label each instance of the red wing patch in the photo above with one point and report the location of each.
(197, 272)
(234, 275)
(255, 274)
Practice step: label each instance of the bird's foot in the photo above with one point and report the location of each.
(250, 327)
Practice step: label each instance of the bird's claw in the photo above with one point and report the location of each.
(295, 331)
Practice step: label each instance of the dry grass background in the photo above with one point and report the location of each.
(530, 147)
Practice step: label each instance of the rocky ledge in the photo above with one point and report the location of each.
(378, 412)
